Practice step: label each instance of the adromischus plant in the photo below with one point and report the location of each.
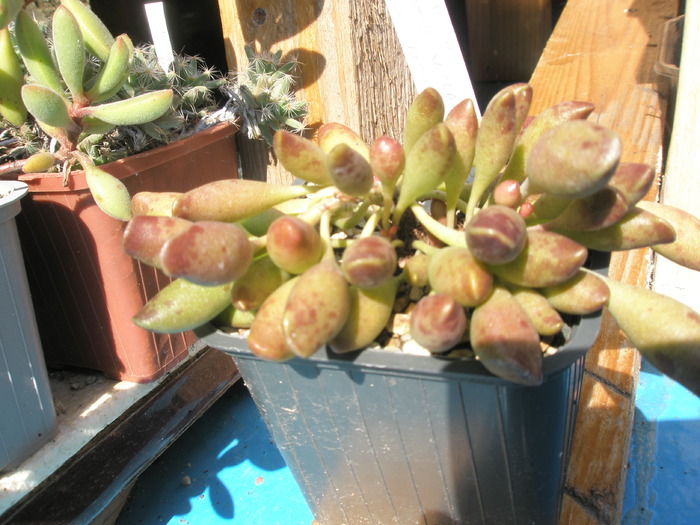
(495, 263)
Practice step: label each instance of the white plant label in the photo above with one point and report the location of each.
(159, 33)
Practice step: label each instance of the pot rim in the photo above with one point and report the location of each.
(584, 334)
(11, 191)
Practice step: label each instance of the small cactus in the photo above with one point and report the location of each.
(262, 94)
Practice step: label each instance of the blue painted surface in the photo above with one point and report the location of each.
(237, 474)
(663, 481)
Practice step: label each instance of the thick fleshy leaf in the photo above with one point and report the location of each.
(233, 200)
(574, 159)
(317, 308)
(69, 49)
(293, 244)
(47, 106)
(302, 158)
(426, 110)
(110, 194)
(595, 212)
(261, 279)
(505, 340)
(494, 144)
(583, 294)
(633, 181)
(464, 125)
(114, 71)
(544, 121)
(547, 259)
(144, 236)
(546, 320)
(350, 171)
(208, 253)
(136, 110)
(35, 52)
(438, 322)
(333, 133)
(182, 306)
(370, 310)
(685, 249)
(426, 166)
(455, 271)
(11, 80)
(97, 37)
(665, 331)
(158, 203)
(638, 229)
(266, 338)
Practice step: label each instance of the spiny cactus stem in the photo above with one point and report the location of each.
(447, 235)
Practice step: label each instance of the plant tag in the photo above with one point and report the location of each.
(159, 33)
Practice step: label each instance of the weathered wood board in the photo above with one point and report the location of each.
(604, 52)
(354, 69)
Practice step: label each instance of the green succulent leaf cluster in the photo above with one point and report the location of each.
(67, 96)
(469, 239)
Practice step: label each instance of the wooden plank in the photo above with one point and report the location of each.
(680, 187)
(354, 69)
(604, 52)
(353, 65)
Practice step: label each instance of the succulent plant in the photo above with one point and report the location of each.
(71, 93)
(494, 263)
(264, 97)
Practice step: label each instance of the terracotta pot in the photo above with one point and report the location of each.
(85, 288)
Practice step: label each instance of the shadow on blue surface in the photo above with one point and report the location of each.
(663, 481)
(225, 468)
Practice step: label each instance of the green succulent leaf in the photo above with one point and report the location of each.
(137, 110)
(47, 106)
(109, 192)
(35, 52)
(8, 11)
(97, 37)
(70, 50)
(11, 80)
(113, 72)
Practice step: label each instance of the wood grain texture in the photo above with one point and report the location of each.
(604, 52)
(353, 67)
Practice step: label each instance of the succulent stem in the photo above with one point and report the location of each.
(447, 235)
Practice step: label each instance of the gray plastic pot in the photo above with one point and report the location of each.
(28, 419)
(381, 437)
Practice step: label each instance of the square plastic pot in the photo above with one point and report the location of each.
(85, 288)
(389, 438)
(28, 419)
